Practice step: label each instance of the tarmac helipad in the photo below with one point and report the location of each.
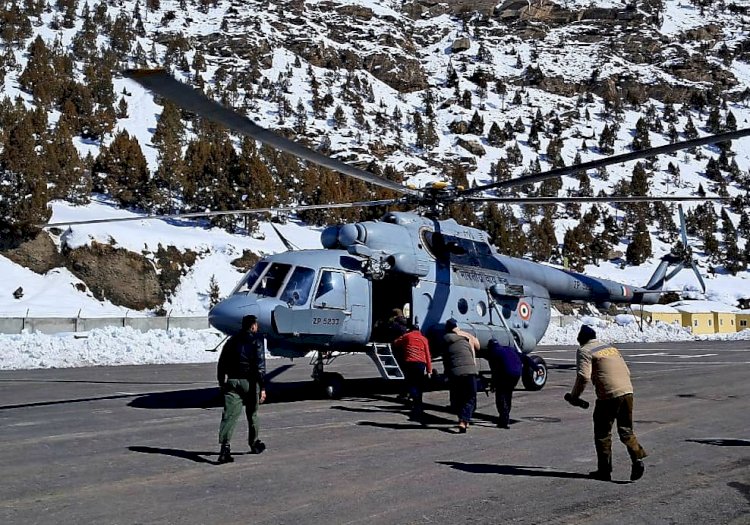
(138, 445)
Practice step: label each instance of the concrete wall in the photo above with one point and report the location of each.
(54, 325)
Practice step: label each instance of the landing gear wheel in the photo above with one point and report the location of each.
(534, 373)
(333, 385)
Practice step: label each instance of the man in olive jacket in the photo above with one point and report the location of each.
(604, 366)
(240, 373)
(461, 368)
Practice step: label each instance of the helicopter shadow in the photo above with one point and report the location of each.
(517, 470)
(276, 392)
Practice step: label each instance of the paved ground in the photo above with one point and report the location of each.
(138, 445)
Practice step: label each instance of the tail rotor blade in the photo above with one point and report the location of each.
(694, 266)
(683, 230)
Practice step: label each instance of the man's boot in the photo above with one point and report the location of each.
(636, 472)
(225, 455)
(257, 447)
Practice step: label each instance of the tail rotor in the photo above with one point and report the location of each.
(680, 258)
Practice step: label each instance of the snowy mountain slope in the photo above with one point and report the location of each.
(399, 57)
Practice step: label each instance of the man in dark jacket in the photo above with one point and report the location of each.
(461, 368)
(506, 367)
(240, 373)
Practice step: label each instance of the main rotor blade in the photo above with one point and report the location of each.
(607, 161)
(384, 202)
(163, 84)
(612, 198)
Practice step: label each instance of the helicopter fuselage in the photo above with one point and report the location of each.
(336, 298)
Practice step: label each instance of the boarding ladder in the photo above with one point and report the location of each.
(382, 355)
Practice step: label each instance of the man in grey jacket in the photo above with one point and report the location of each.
(461, 369)
(604, 366)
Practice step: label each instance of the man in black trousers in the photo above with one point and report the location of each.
(506, 367)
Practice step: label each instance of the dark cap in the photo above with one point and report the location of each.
(248, 321)
(586, 334)
(450, 325)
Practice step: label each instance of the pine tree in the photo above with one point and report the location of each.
(63, 167)
(504, 230)
(577, 247)
(639, 249)
(714, 120)
(607, 140)
(690, 131)
(476, 126)
(641, 139)
(121, 170)
(466, 99)
(213, 291)
(23, 190)
(496, 136)
(542, 239)
(533, 141)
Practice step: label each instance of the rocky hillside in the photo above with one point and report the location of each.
(467, 92)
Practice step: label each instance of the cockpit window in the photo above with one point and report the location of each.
(271, 282)
(298, 288)
(248, 281)
(331, 292)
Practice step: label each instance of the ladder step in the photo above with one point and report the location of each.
(382, 355)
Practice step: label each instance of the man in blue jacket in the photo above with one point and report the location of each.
(506, 367)
(240, 373)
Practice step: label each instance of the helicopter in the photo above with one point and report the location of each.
(335, 299)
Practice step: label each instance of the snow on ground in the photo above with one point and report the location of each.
(126, 346)
(107, 347)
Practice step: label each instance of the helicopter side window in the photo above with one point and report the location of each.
(331, 292)
(271, 282)
(298, 288)
(250, 278)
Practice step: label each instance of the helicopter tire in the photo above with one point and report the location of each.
(534, 373)
(333, 385)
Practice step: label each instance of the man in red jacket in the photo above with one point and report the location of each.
(413, 351)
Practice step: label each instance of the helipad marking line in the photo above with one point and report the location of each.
(570, 360)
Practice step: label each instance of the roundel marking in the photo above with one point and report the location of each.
(524, 311)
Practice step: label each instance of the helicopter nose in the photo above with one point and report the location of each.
(227, 315)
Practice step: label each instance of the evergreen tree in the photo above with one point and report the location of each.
(607, 140)
(639, 249)
(214, 293)
(641, 139)
(23, 190)
(714, 120)
(63, 167)
(690, 131)
(121, 171)
(533, 141)
(577, 247)
(476, 126)
(504, 230)
(542, 239)
(496, 136)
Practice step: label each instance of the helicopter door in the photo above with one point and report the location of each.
(388, 294)
(358, 300)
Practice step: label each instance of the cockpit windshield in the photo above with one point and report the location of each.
(298, 288)
(248, 281)
(272, 280)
